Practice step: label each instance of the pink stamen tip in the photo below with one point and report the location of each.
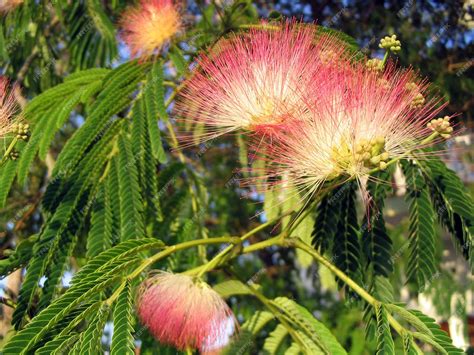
(258, 80)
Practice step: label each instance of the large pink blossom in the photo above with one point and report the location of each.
(184, 312)
(257, 80)
(358, 121)
(147, 27)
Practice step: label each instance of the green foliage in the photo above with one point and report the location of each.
(156, 103)
(325, 226)
(122, 341)
(376, 242)
(131, 213)
(154, 99)
(115, 97)
(19, 257)
(314, 335)
(59, 345)
(99, 274)
(453, 204)
(89, 47)
(7, 175)
(351, 44)
(250, 329)
(275, 339)
(346, 250)
(91, 339)
(47, 113)
(427, 330)
(422, 263)
(382, 290)
(231, 288)
(258, 320)
(100, 234)
(384, 337)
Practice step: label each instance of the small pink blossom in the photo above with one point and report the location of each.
(147, 27)
(9, 5)
(184, 312)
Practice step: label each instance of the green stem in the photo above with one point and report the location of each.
(171, 249)
(348, 281)
(7, 302)
(114, 296)
(219, 258)
(9, 150)
(429, 138)
(385, 58)
(169, 83)
(216, 260)
(278, 240)
(274, 310)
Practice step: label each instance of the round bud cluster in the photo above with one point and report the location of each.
(418, 100)
(22, 131)
(372, 153)
(14, 154)
(390, 43)
(374, 64)
(442, 126)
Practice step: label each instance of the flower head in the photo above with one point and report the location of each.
(8, 5)
(359, 120)
(8, 107)
(149, 26)
(185, 313)
(258, 80)
(390, 43)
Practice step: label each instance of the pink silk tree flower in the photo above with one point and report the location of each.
(359, 121)
(8, 107)
(9, 5)
(185, 313)
(256, 81)
(147, 27)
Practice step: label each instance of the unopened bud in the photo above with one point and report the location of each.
(375, 160)
(384, 156)
(390, 43)
(442, 126)
(418, 101)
